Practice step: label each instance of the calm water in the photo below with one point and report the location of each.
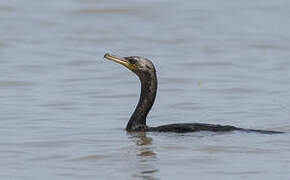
(64, 108)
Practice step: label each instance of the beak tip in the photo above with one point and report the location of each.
(107, 54)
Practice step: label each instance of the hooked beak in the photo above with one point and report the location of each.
(120, 60)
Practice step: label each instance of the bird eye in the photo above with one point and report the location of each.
(132, 61)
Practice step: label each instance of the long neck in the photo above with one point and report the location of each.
(146, 100)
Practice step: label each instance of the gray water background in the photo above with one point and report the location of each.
(63, 108)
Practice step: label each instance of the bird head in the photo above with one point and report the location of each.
(139, 65)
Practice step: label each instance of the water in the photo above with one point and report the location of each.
(64, 108)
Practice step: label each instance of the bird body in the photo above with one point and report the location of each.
(146, 72)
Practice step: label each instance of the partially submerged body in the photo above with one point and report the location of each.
(195, 127)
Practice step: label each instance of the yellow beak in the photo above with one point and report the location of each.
(119, 60)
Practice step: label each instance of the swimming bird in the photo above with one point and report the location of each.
(146, 72)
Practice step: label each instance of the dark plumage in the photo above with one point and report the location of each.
(146, 72)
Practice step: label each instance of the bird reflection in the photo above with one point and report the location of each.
(145, 155)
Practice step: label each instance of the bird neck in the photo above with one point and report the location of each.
(146, 100)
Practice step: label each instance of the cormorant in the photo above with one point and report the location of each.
(146, 72)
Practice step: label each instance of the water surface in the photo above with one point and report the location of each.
(64, 108)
